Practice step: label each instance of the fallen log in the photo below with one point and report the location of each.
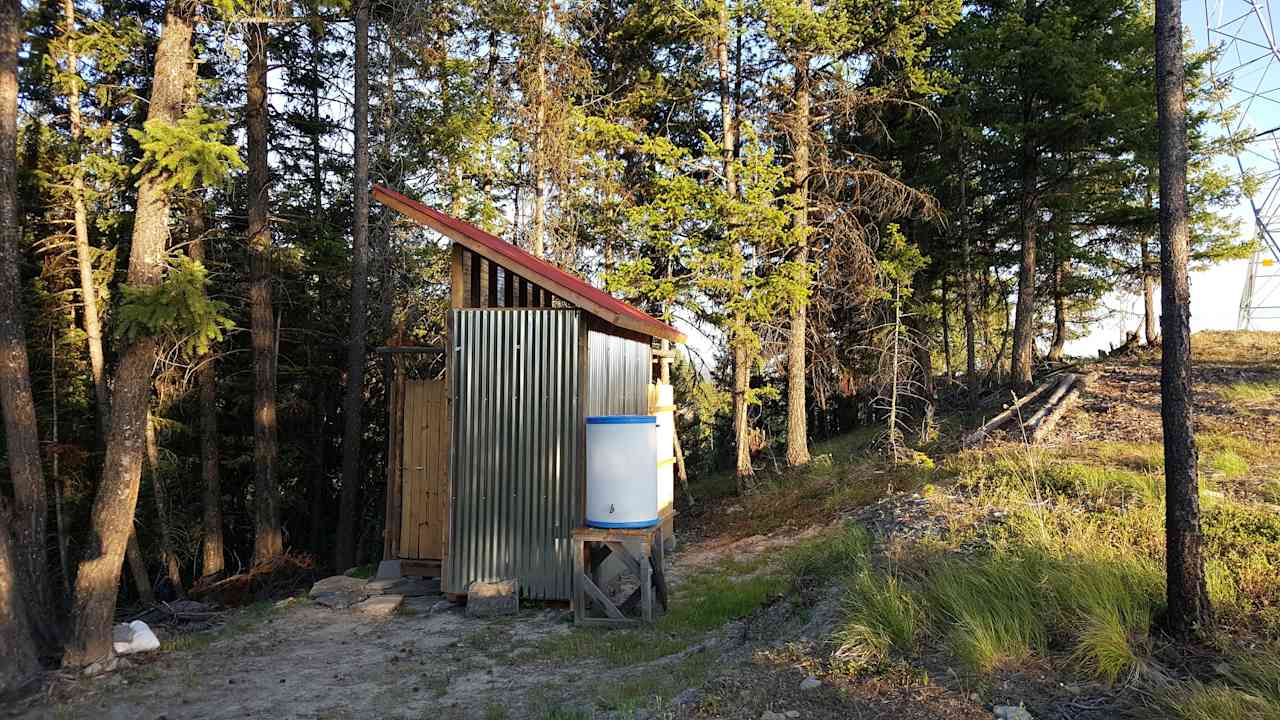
(981, 433)
(1055, 414)
(1059, 391)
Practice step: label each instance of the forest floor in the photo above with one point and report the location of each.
(1004, 576)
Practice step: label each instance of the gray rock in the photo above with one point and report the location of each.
(389, 569)
(492, 599)
(338, 600)
(336, 584)
(379, 605)
(378, 586)
(1011, 712)
(810, 683)
(771, 715)
(688, 696)
(793, 714)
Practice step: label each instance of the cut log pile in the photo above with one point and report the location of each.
(1036, 412)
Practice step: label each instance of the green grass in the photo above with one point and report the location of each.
(1229, 463)
(1196, 701)
(881, 616)
(656, 687)
(1251, 393)
(838, 554)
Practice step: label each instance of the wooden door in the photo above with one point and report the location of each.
(424, 470)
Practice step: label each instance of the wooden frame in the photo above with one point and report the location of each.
(647, 567)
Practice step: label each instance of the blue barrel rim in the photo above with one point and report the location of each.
(622, 419)
(623, 525)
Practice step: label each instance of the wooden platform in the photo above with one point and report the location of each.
(591, 547)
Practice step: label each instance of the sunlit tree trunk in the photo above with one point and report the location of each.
(1149, 319)
(1059, 310)
(112, 517)
(345, 554)
(797, 366)
(1188, 599)
(539, 151)
(26, 571)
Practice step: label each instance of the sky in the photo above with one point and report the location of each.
(1216, 291)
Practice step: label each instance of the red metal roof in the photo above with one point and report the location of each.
(566, 286)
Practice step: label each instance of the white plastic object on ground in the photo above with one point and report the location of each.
(141, 639)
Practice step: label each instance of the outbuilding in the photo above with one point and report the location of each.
(487, 461)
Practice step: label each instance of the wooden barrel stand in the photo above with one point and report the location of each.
(591, 547)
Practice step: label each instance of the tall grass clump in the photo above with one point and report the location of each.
(881, 616)
(1196, 701)
(840, 553)
(1246, 393)
(992, 611)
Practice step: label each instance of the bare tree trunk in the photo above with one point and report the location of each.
(946, 328)
(966, 288)
(797, 406)
(741, 360)
(1188, 599)
(84, 260)
(1059, 311)
(268, 541)
(1149, 295)
(21, 666)
(113, 508)
(168, 560)
(538, 156)
(1024, 314)
(345, 554)
(31, 503)
(212, 560)
(138, 570)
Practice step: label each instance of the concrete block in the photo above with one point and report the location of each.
(491, 599)
(389, 569)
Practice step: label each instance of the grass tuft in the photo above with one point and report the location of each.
(1251, 392)
(880, 616)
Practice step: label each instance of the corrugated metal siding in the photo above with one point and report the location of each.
(516, 434)
(619, 375)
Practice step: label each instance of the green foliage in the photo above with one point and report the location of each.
(177, 308)
(838, 554)
(187, 153)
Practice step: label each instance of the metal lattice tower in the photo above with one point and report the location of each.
(1248, 65)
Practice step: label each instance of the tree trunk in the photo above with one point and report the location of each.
(138, 570)
(345, 554)
(743, 470)
(168, 560)
(797, 408)
(1024, 314)
(84, 259)
(946, 328)
(113, 508)
(1059, 311)
(966, 288)
(538, 156)
(212, 554)
(268, 541)
(1188, 600)
(21, 439)
(21, 666)
(1149, 295)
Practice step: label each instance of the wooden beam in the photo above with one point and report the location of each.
(508, 288)
(524, 293)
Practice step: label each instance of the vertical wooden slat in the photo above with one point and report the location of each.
(474, 259)
(536, 300)
(508, 288)
(457, 277)
(524, 293)
(493, 284)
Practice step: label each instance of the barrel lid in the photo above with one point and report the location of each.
(622, 419)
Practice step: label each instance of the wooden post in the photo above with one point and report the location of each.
(524, 293)
(457, 277)
(493, 284)
(475, 279)
(508, 288)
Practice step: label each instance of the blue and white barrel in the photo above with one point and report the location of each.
(622, 471)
